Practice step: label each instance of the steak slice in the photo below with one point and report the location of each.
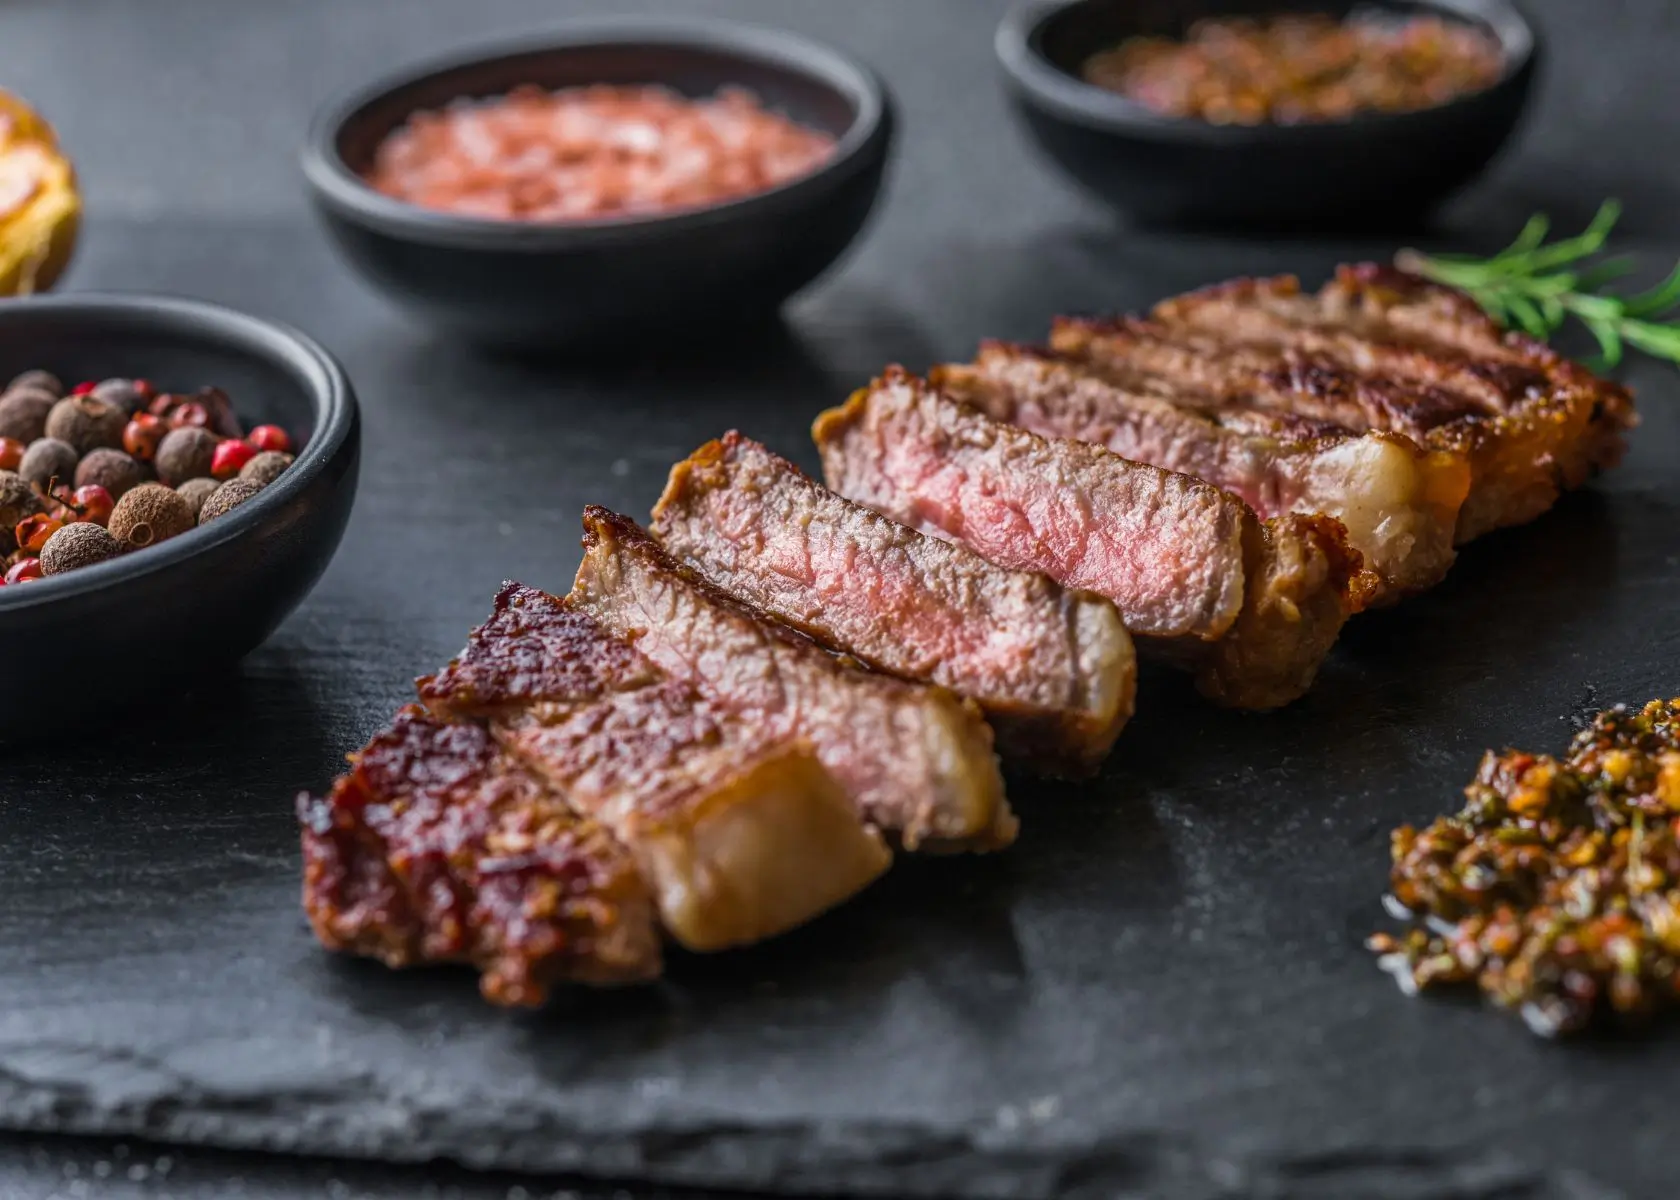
(1214, 372)
(915, 760)
(1398, 502)
(741, 834)
(437, 846)
(1053, 670)
(1252, 609)
(1531, 422)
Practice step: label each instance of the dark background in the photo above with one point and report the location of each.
(1159, 992)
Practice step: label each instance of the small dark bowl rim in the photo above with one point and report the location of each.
(329, 389)
(336, 185)
(1073, 100)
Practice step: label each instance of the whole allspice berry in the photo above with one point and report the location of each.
(78, 545)
(44, 381)
(112, 470)
(223, 419)
(46, 460)
(122, 393)
(196, 491)
(226, 498)
(147, 515)
(184, 454)
(266, 467)
(23, 414)
(86, 423)
(17, 500)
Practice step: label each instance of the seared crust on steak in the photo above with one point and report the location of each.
(1188, 565)
(916, 760)
(1377, 349)
(437, 846)
(1398, 501)
(1303, 582)
(1053, 670)
(742, 834)
(534, 650)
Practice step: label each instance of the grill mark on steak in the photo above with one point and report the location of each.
(1209, 395)
(915, 760)
(1395, 352)
(1304, 380)
(742, 834)
(1381, 322)
(436, 846)
(1189, 566)
(1053, 670)
(1398, 502)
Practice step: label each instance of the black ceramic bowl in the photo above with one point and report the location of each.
(649, 280)
(123, 632)
(1371, 169)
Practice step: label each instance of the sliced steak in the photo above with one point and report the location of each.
(1181, 363)
(741, 833)
(1167, 548)
(916, 760)
(1398, 501)
(1531, 422)
(438, 846)
(1052, 669)
(1253, 610)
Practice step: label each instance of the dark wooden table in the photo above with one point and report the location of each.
(1159, 992)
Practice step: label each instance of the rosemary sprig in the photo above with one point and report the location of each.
(1537, 287)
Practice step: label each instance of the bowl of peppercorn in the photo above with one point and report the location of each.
(174, 478)
(645, 182)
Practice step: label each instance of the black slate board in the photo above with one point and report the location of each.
(1159, 991)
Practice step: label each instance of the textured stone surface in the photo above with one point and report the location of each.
(1159, 992)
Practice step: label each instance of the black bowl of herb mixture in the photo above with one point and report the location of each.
(1270, 113)
(644, 280)
(129, 629)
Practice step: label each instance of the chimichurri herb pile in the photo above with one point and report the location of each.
(1556, 890)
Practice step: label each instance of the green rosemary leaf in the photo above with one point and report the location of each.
(1551, 307)
(1596, 308)
(1560, 284)
(1609, 342)
(1659, 341)
(1583, 245)
(1659, 299)
(1532, 237)
(1492, 303)
(1528, 315)
(1454, 274)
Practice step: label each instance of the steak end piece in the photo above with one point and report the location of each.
(1393, 351)
(1194, 574)
(437, 846)
(1304, 581)
(741, 834)
(1398, 500)
(915, 760)
(1053, 670)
